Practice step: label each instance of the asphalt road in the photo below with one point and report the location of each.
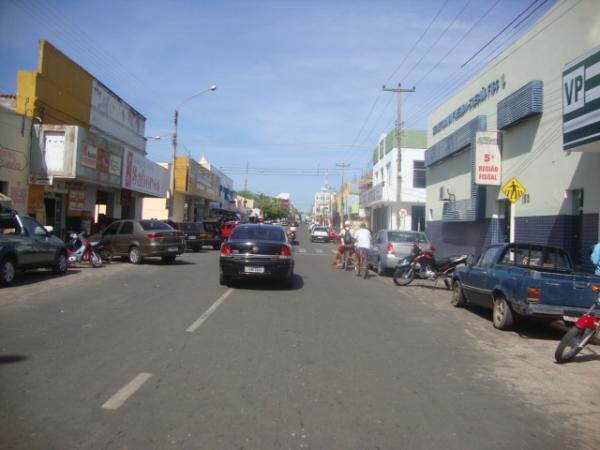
(157, 357)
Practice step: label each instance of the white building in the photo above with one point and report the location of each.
(323, 206)
(541, 101)
(397, 198)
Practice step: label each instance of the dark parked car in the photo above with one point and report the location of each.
(257, 251)
(25, 244)
(138, 239)
(193, 233)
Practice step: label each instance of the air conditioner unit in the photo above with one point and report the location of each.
(443, 196)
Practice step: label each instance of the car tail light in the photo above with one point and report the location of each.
(285, 252)
(533, 295)
(225, 250)
(390, 248)
(152, 236)
(595, 288)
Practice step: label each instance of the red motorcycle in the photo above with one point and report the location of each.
(424, 265)
(586, 327)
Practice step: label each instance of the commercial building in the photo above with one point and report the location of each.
(87, 154)
(226, 200)
(323, 206)
(515, 154)
(15, 141)
(397, 198)
(195, 188)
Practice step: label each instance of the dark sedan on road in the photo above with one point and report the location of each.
(257, 251)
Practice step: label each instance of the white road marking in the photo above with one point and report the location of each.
(333, 250)
(319, 250)
(126, 391)
(302, 250)
(193, 327)
(468, 333)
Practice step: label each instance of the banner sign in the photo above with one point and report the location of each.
(488, 160)
(114, 166)
(103, 161)
(142, 175)
(89, 156)
(581, 102)
(76, 200)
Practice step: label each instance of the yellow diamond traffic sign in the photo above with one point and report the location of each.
(513, 190)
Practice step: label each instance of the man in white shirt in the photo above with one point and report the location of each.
(362, 238)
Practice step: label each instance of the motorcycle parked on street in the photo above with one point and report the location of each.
(423, 264)
(585, 328)
(81, 249)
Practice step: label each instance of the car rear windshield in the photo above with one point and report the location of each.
(154, 225)
(258, 232)
(322, 229)
(403, 237)
(190, 226)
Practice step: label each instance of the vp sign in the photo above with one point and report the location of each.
(581, 102)
(573, 90)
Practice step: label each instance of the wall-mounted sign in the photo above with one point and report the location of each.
(89, 156)
(103, 161)
(513, 190)
(488, 160)
(76, 200)
(482, 95)
(581, 101)
(143, 175)
(41, 180)
(10, 159)
(114, 167)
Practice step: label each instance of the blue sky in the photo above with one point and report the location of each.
(299, 82)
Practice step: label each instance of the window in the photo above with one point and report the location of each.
(127, 228)
(112, 229)
(419, 174)
(148, 225)
(407, 237)
(487, 258)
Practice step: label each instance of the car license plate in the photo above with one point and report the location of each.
(254, 269)
(173, 249)
(191, 237)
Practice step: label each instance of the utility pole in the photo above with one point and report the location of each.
(398, 91)
(343, 166)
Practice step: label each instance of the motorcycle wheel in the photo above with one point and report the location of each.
(403, 276)
(95, 260)
(569, 344)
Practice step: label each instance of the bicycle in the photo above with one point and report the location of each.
(348, 260)
(361, 263)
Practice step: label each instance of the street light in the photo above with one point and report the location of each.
(175, 119)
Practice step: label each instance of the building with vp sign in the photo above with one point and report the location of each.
(514, 155)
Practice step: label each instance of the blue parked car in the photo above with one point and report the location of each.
(523, 280)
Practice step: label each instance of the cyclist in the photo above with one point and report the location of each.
(345, 249)
(363, 243)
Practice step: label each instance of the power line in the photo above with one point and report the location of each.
(500, 32)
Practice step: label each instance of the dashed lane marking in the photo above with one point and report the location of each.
(117, 400)
(319, 250)
(302, 250)
(198, 323)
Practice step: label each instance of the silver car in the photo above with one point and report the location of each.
(390, 246)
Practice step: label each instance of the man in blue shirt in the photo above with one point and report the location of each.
(595, 257)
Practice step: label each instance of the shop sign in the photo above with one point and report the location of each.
(9, 159)
(76, 200)
(41, 180)
(89, 156)
(478, 98)
(581, 101)
(142, 175)
(488, 160)
(114, 166)
(103, 161)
